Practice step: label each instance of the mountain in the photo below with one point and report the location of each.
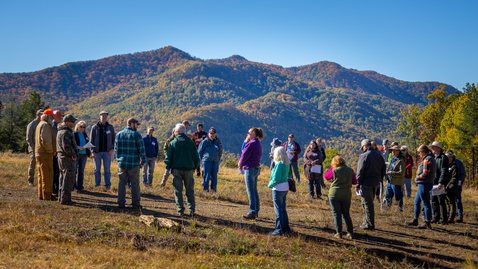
(163, 87)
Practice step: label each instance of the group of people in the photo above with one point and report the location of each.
(57, 140)
(391, 163)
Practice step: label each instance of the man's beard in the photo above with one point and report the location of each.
(50, 121)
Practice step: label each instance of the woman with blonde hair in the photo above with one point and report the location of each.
(83, 153)
(280, 187)
(340, 194)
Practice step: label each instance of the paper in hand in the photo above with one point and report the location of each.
(88, 145)
(358, 192)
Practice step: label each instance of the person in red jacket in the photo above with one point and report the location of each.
(199, 135)
(293, 150)
(408, 170)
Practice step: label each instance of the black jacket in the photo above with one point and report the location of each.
(77, 139)
(370, 168)
(442, 175)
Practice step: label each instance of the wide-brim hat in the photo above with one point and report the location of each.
(404, 148)
(276, 142)
(395, 148)
(436, 144)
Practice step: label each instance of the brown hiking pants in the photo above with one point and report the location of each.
(45, 176)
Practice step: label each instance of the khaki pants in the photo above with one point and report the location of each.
(45, 176)
(31, 168)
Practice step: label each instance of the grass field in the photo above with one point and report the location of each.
(94, 233)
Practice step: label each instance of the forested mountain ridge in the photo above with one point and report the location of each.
(165, 86)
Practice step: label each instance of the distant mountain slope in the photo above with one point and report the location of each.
(165, 86)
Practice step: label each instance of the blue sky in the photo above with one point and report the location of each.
(407, 40)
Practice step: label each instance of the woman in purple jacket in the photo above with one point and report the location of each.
(250, 163)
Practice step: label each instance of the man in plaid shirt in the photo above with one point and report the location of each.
(130, 155)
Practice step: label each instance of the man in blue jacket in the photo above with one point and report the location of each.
(210, 152)
(151, 148)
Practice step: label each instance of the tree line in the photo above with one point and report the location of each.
(452, 120)
(14, 118)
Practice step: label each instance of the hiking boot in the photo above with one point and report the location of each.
(250, 217)
(137, 207)
(31, 184)
(459, 220)
(312, 197)
(337, 235)
(413, 222)
(349, 236)
(67, 203)
(425, 225)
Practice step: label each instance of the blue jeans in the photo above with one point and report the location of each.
(148, 177)
(408, 184)
(315, 184)
(423, 195)
(295, 167)
(102, 156)
(282, 220)
(341, 209)
(80, 171)
(459, 204)
(250, 177)
(394, 190)
(210, 170)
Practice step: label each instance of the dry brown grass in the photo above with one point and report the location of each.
(44, 234)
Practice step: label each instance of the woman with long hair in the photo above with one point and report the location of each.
(280, 187)
(313, 159)
(250, 163)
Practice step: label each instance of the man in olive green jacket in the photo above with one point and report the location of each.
(396, 178)
(182, 158)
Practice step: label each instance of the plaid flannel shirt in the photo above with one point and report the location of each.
(129, 149)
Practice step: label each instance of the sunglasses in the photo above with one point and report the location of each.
(82, 127)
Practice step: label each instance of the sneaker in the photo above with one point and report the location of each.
(413, 222)
(274, 234)
(181, 214)
(121, 206)
(251, 217)
(425, 225)
(459, 220)
(364, 227)
(443, 222)
(53, 198)
(31, 184)
(337, 235)
(67, 203)
(312, 197)
(320, 198)
(349, 236)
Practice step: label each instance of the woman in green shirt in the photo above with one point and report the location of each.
(280, 187)
(340, 194)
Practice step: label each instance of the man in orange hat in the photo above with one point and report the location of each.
(45, 148)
